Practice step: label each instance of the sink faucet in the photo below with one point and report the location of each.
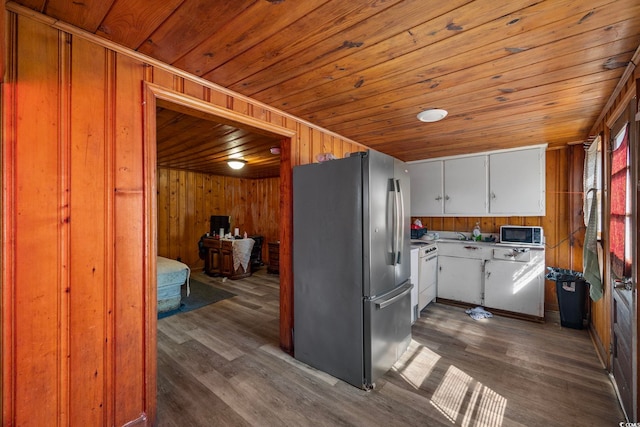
(461, 236)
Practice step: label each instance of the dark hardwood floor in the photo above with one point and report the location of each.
(221, 366)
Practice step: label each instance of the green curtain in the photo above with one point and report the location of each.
(590, 263)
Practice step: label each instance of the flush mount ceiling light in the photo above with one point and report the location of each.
(236, 163)
(432, 115)
(274, 150)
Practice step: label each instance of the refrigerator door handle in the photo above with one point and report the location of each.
(399, 233)
(393, 208)
(390, 301)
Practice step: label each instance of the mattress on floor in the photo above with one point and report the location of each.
(172, 275)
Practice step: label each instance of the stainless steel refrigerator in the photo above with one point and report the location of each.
(351, 265)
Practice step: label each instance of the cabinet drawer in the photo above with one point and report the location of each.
(512, 254)
(464, 249)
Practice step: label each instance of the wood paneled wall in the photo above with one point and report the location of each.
(563, 235)
(79, 215)
(79, 221)
(187, 199)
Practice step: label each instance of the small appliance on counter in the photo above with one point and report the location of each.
(522, 235)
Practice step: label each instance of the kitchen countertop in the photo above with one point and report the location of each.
(452, 237)
(491, 244)
(468, 242)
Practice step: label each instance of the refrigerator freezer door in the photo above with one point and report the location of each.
(380, 212)
(403, 181)
(387, 331)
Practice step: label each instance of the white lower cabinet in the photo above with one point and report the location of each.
(460, 279)
(502, 278)
(515, 281)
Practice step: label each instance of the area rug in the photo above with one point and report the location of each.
(201, 294)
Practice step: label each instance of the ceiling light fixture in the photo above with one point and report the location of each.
(236, 163)
(274, 150)
(432, 115)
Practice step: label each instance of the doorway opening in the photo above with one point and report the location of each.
(228, 124)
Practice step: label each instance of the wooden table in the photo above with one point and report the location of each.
(220, 260)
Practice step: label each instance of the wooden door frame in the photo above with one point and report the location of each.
(633, 177)
(634, 164)
(153, 93)
(634, 119)
(626, 111)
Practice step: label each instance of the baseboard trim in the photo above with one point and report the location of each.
(601, 350)
(617, 391)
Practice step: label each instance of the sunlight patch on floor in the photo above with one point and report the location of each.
(462, 399)
(491, 408)
(451, 393)
(416, 364)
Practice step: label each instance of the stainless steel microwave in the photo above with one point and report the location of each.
(522, 234)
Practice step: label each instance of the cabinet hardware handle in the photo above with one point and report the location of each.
(439, 198)
(493, 195)
(447, 197)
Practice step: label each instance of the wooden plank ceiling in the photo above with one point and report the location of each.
(192, 140)
(511, 73)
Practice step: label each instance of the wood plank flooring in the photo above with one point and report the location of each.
(221, 366)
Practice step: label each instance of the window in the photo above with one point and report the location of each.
(620, 224)
(592, 182)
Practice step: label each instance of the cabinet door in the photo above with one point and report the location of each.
(226, 262)
(515, 286)
(460, 279)
(426, 188)
(517, 182)
(465, 185)
(214, 261)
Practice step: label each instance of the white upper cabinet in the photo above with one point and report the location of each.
(499, 183)
(517, 182)
(465, 185)
(427, 197)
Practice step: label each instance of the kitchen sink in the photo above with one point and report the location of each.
(450, 239)
(458, 240)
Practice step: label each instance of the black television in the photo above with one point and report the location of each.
(219, 221)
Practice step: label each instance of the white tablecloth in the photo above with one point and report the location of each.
(242, 253)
